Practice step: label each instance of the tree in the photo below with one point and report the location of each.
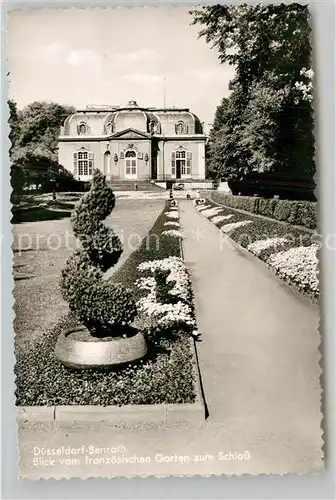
(104, 308)
(13, 122)
(34, 135)
(266, 124)
(40, 126)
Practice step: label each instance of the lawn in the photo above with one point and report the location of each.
(40, 251)
(165, 376)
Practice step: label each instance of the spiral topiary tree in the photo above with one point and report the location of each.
(104, 308)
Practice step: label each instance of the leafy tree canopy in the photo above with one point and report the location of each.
(40, 124)
(34, 132)
(266, 123)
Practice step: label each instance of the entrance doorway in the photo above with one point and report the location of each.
(107, 163)
(180, 168)
(130, 165)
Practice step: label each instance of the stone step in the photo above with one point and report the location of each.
(130, 186)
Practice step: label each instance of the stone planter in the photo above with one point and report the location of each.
(76, 348)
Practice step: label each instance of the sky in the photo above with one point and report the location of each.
(112, 55)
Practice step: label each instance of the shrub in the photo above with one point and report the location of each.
(163, 287)
(300, 213)
(98, 304)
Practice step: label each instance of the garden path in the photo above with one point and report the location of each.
(259, 350)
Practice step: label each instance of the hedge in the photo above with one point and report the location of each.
(299, 213)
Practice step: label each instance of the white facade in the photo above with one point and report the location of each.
(133, 143)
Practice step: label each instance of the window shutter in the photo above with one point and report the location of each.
(173, 163)
(121, 155)
(91, 161)
(189, 156)
(75, 164)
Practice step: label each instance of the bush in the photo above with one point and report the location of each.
(299, 213)
(163, 287)
(98, 304)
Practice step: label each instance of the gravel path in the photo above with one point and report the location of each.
(40, 251)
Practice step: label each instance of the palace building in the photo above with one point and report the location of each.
(133, 143)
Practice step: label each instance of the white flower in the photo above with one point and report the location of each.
(220, 218)
(274, 44)
(145, 283)
(230, 227)
(308, 73)
(200, 208)
(172, 223)
(210, 212)
(258, 246)
(172, 215)
(173, 232)
(298, 265)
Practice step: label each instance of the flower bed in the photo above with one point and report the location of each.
(172, 215)
(210, 212)
(177, 309)
(165, 376)
(173, 232)
(172, 224)
(221, 218)
(267, 239)
(258, 246)
(298, 265)
(227, 228)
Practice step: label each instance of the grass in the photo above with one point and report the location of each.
(38, 214)
(33, 210)
(63, 205)
(165, 376)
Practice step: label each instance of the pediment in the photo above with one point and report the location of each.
(130, 133)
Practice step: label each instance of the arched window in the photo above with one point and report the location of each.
(130, 164)
(181, 163)
(82, 129)
(151, 127)
(83, 164)
(109, 128)
(181, 128)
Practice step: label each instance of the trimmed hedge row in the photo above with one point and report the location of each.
(299, 213)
